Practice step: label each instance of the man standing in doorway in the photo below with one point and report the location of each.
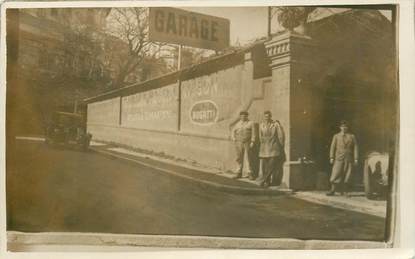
(271, 150)
(343, 155)
(243, 134)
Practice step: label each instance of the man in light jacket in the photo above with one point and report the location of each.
(271, 150)
(343, 155)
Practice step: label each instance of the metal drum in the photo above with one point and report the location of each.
(375, 175)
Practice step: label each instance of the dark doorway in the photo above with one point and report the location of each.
(364, 106)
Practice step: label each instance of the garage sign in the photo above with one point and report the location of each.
(177, 26)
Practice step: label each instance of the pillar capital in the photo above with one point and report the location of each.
(289, 47)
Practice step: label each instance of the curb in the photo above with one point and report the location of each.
(200, 182)
(168, 161)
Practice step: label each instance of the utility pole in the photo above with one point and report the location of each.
(179, 87)
(179, 59)
(75, 107)
(269, 20)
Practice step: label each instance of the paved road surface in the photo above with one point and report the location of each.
(54, 189)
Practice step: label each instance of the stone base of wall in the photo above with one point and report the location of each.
(299, 176)
(210, 151)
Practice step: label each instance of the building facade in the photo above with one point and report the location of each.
(53, 55)
(45, 36)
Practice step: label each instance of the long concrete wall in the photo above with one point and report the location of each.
(191, 120)
(303, 86)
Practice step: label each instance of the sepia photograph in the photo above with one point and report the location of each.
(267, 127)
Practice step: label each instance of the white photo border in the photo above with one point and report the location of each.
(405, 197)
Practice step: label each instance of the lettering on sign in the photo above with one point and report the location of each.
(156, 104)
(204, 112)
(177, 26)
(219, 84)
(150, 115)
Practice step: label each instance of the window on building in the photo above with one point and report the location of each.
(43, 58)
(29, 53)
(51, 61)
(69, 13)
(91, 18)
(41, 12)
(66, 14)
(54, 12)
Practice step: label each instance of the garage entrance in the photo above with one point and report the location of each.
(369, 113)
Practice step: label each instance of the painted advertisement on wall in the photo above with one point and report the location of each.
(104, 112)
(153, 109)
(210, 102)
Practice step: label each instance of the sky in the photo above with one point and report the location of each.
(250, 23)
(247, 23)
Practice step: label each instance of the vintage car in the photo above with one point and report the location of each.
(68, 129)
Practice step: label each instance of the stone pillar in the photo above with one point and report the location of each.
(247, 77)
(292, 66)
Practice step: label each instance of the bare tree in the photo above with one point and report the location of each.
(131, 26)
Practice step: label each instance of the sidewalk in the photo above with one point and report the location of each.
(208, 177)
(356, 202)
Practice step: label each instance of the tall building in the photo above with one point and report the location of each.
(45, 37)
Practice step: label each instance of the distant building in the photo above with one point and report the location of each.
(47, 63)
(43, 39)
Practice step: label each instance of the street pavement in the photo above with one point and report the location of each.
(56, 189)
(223, 181)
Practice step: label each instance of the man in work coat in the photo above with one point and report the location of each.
(343, 155)
(243, 134)
(271, 150)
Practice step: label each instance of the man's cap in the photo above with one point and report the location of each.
(343, 123)
(243, 113)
